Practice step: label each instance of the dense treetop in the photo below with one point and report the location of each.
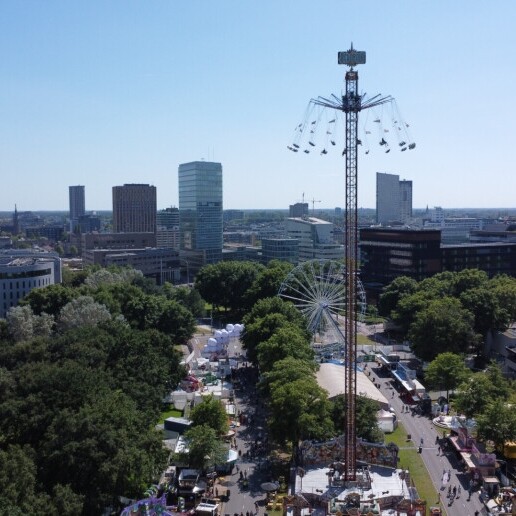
(451, 311)
(84, 371)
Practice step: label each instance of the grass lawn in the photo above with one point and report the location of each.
(170, 412)
(411, 460)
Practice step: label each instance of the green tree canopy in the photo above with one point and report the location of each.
(188, 297)
(145, 311)
(468, 279)
(392, 294)
(210, 412)
(49, 299)
(261, 330)
(268, 282)
(446, 371)
(287, 341)
(497, 424)
(271, 305)
(409, 307)
(114, 446)
(82, 311)
(487, 312)
(205, 448)
(442, 326)
(287, 370)
(474, 395)
(366, 420)
(266, 317)
(224, 284)
(82, 406)
(299, 410)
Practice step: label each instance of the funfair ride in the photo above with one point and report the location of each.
(351, 104)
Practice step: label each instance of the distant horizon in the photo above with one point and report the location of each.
(89, 211)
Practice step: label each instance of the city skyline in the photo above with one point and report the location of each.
(102, 94)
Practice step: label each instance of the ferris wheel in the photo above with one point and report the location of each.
(318, 290)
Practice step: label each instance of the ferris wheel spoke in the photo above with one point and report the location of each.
(317, 289)
(301, 285)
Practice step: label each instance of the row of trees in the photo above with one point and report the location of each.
(277, 342)
(237, 286)
(451, 311)
(484, 395)
(85, 366)
(205, 445)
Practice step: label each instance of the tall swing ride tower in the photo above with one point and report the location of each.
(351, 103)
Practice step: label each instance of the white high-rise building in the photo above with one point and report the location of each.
(393, 199)
(315, 237)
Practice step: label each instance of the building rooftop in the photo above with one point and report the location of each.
(330, 377)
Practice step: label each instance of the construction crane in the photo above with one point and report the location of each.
(313, 201)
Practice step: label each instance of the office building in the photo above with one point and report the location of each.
(387, 253)
(91, 241)
(284, 249)
(230, 215)
(167, 228)
(315, 239)
(200, 209)
(456, 230)
(393, 199)
(89, 223)
(405, 200)
(77, 206)
(23, 270)
(300, 209)
(493, 258)
(134, 208)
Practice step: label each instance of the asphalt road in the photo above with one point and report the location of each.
(252, 500)
(437, 464)
(250, 442)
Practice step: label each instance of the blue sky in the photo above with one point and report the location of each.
(102, 93)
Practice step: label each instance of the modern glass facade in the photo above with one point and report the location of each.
(200, 208)
(77, 206)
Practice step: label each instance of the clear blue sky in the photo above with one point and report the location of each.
(102, 93)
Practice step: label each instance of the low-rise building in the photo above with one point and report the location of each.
(24, 270)
(315, 237)
(160, 264)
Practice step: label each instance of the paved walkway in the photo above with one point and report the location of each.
(251, 442)
(438, 463)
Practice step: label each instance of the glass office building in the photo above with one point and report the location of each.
(200, 208)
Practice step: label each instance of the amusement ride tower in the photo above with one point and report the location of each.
(351, 103)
